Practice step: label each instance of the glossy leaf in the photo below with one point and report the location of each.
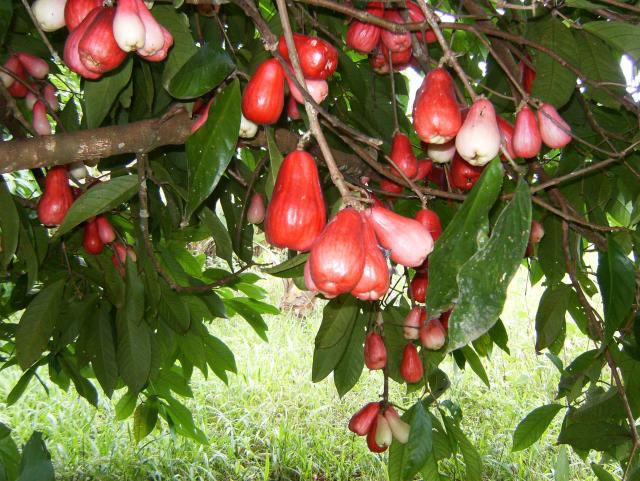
(99, 95)
(533, 426)
(550, 318)
(104, 361)
(220, 234)
(9, 223)
(472, 460)
(601, 473)
(293, 267)
(206, 68)
(406, 460)
(183, 44)
(275, 158)
(144, 420)
(36, 460)
(623, 36)
(349, 368)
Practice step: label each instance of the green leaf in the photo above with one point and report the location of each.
(550, 318)
(275, 158)
(533, 426)
(206, 68)
(183, 44)
(472, 460)
(35, 464)
(6, 14)
(338, 319)
(103, 346)
(144, 420)
(480, 302)
(601, 473)
(405, 460)
(20, 386)
(9, 455)
(293, 267)
(554, 83)
(561, 470)
(101, 198)
(220, 234)
(499, 336)
(37, 323)
(550, 255)
(173, 310)
(616, 278)
(475, 363)
(183, 419)
(429, 471)
(593, 434)
(219, 357)
(458, 241)
(84, 388)
(210, 148)
(250, 314)
(350, 366)
(125, 405)
(621, 35)
(99, 95)
(9, 221)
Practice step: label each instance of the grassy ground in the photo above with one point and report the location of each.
(271, 422)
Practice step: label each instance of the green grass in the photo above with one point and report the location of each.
(271, 422)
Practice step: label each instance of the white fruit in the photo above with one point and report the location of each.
(478, 140)
(49, 14)
(248, 129)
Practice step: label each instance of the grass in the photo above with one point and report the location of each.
(271, 422)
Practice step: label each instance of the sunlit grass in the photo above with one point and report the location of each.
(271, 422)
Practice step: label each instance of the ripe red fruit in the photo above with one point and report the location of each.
(431, 221)
(105, 230)
(50, 97)
(390, 186)
(478, 140)
(97, 48)
(436, 113)
(424, 167)
(527, 76)
(56, 198)
(506, 132)
(263, 98)
(374, 282)
(256, 211)
(361, 422)
(36, 66)
(413, 323)
(296, 214)
(39, 119)
(464, 175)
(399, 59)
(375, 354)
(381, 426)
(16, 88)
(418, 287)
(432, 335)
(408, 240)
(364, 37)
(438, 177)
(526, 135)
(444, 319)
(318, 59)
(411, 368)
(416, 15)
(119, 258)
(308, 281)
(337, 255)
(554, 131)
(75, 11)
(399, 428)
(378, 61)
(395, 42)
(92, 242)
(292, 108)
(201, 115)
(402, 156)
(71, 54)
(537, 232)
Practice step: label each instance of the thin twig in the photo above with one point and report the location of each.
(54, 54)
(252, 182)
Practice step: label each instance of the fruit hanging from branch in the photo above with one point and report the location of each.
(318, 58)
(436, 113)
(442, 153)
(375, 354)
(432, 335)
(263, 97)
(418, 287)
(402, 155)
(362, 421)
(49, 14)
(526, 135)
(364, 37)
(92, 242)
(374, 282)
(56, 197)
(75, 11)
(554, 131)
(478, 140)
(399, 428)
(256, 211)
(411, 368)
(463, 175)
(412, 323)
(98, 50)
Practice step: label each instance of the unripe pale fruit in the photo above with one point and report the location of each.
(464, 175)
(402, 156)
(248, 129)
(318, 89)
(56, 198)
(408, 240)
(71, 53)
(412, 323)
(395, 42)
(372, 434)
(296, 214)
(374, 282)
(161, 54)
(153, 34)
(98, 49)
(384, 437)
(263, 98)
(399, 428)
(75, 11)
(51, 98)
(77, 170)
(424, 167)
(30, 100)
(526, 135)
(554, 131)
(375, 354)
(442, 153)
(91, 241)
(436, 113)
(506, 132)
(308, 281)
(128, 29)
(256, 211)
(337, 255)
(49, 14)
(411, 368)
(39, 119)
(364, 37)
(37, 67)
(431, 221)
(318, 58)
(478, 140)
(292, 108)
(105, 229)
(432, 335)
(14, 65)
(418, 287)
(537, 232)
(361, 422)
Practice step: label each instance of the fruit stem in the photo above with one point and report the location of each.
(393, 93)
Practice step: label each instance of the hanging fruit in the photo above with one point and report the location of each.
(418, 287)
(35, 66)
(436, 113)
(411, 367)
(56, 197)
(526, 135)
(432, 335)
(39, 119)
(256, 211)
(49, 14)
(71, 54)
(318, 59)
(75, 11)
(263, 98)
(399, 428)
(362, 36)
(464, 175)
(97, 49)
(91, 241)
(506, 133)
(374, 282)
(105, 229)
(431, 221)
(395, 42)
(442, 153)
(478, 140)
(412, 323)
(402, 155)
(128, 29)
(424, 168)
(375, 354)
(554, 131)
(361, 422)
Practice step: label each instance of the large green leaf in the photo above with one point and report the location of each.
(9, 455)
(18, 389)
(350, 366)
(405, 460)
(173, 309)
(616, 278)
(210, 148)
(144, 420)
(475, 363)
(9, 223)
(183, 44)
(621, 35)
(103, 346)
(275, 157)
(35, 464)
(101, 198)
(472, 460)
(602, 473)
(293, 267)
(458, 242)
(550, 318)
(209, 66)
(480, 302)
(220, 234)
(338, 319)
(99, 95)
(593, 434)
(554, 83)
(550, 255)
(37, 323)
(534, 425)
(243, 307)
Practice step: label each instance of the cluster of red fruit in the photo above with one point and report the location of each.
(263, 98)
(379, 42)
(102, 35)
(380, 423)
(24, 65)
(53, 205)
